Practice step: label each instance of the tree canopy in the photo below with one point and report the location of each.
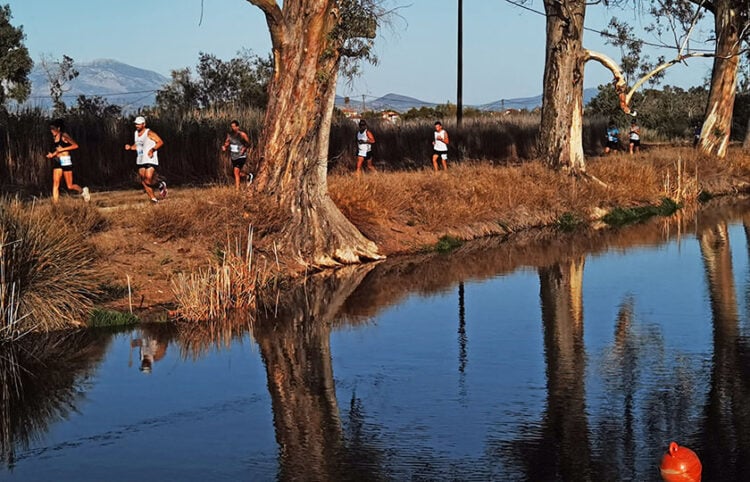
(241, 81)
(15, 63)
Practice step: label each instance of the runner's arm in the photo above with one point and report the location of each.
(159, 143)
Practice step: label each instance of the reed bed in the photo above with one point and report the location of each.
(231, 283)
(192, 154)
(48, 278)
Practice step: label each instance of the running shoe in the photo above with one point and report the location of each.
(154, 200)
(162, 189)
(86, 194)
(249, 178)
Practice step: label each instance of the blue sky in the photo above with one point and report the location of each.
(503, 44)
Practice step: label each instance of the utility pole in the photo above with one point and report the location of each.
(363, 104)
(460, 64)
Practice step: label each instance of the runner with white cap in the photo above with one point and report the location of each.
(147, 144)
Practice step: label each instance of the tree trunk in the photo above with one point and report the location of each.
(718, 122)
(293, 147)
(561, 136)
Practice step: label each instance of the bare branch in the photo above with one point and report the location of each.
(276, 27)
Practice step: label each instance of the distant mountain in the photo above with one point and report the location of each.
(530, 103)
(132, 87)
(402, 103)
(397, 102)
(119, 83)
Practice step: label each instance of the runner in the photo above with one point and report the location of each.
(635, 137)
(147, 142)
(365, 140)
(440, 146)
(238, 143)
(63, 164)
(613, 138)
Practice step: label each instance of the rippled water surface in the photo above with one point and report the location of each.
(571, 357)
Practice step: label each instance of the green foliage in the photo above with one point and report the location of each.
(95, 106)
(15, 63)
(569, 222)
(354, 34)
(671, 112)
(624, 216)
(102, 318)
(447, 244)
(238, 82)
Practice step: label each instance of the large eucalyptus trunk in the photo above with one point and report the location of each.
(561, 136)
(717, 125)
(293, 147)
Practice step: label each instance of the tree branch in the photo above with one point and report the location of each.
(621, 86)
(276, 27)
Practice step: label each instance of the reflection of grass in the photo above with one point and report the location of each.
(624, 216)
(103, 318)
(40, 379)
(568, 222)
(447, 243)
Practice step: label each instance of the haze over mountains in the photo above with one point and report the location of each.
(132, 88)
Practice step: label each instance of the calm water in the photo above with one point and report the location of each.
(577, 357)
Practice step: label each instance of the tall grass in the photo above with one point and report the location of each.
(191, 153)
(47, 279)
(231, 283)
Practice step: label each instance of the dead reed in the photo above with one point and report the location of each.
(48, 277)
(231, 283)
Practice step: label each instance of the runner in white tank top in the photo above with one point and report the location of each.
(440, 146)
(146, 144)
(365, 140)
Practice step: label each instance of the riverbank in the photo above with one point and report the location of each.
(163, 261)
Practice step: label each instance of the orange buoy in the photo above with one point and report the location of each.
(680, 464)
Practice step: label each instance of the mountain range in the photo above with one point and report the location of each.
(132, 88)
(119, 83)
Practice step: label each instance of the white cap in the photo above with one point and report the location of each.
(140, 120)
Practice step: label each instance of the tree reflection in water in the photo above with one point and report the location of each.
(295, 347)
(726, 427)
(577, 437)
(42, 380)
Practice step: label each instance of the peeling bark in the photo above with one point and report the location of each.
(561, 136)
(292, 150)
(717, 124)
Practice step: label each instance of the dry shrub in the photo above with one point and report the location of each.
(176, 220)
(48, 276)
(82, 217)
(210, 293)
(495, 199)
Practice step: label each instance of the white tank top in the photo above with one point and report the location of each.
(362, 141)
(143, 144)
(439, 144)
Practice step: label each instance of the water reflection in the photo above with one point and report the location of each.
(606, 409)
(726, 430)
(42, 380)
(295, 347)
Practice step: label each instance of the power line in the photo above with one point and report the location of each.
(111, 94)
(605, 33)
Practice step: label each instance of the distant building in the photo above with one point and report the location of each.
(391, 116)
(350, 113)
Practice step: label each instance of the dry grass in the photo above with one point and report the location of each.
(233, 282)
(48, 276)
(476, 199)
(184, 252)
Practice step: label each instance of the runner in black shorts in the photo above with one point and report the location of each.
(238, 143)
(62, 167)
